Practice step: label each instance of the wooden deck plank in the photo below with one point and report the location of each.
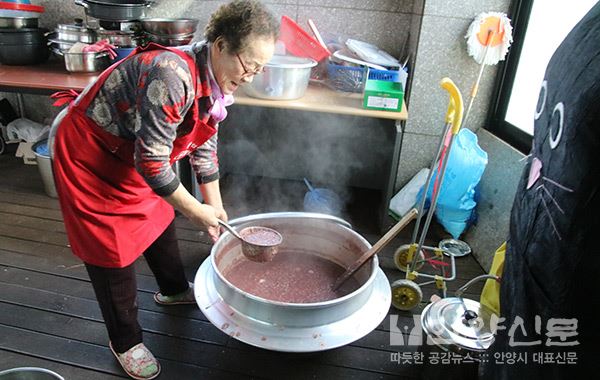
(91, 356)
(49, 315)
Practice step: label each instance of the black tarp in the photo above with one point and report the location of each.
(552, 270)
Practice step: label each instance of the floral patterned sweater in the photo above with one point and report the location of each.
(132, 103)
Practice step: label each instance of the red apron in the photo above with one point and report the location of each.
(111, 215)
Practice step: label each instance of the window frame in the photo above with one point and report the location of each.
(519, 12)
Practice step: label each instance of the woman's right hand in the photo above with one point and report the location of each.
(204, 216)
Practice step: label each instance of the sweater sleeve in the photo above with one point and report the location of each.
(166, 96)
(204, 161)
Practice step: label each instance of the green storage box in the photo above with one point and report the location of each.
(383, 95)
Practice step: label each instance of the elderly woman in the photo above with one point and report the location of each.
(113, 152)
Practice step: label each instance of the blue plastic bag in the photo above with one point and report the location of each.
(458, 196)
(321, 200)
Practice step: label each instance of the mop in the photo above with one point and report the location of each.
(488, 38)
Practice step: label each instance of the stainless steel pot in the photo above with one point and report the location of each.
(85, 62)
(113, 12)
(296, 327)
(75, 33)
(60, 45)
(460, 325)
(285, 77)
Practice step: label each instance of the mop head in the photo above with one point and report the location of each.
(493, 29)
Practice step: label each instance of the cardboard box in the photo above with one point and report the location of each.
(24, 150)
(383, 96)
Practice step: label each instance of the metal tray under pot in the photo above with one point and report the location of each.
(294, 327)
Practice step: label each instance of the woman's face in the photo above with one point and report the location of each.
(231, 69)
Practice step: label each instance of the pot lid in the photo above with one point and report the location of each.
(458, 324)
(454, 247)
(21, 7)
(78, 26)
(291, 62)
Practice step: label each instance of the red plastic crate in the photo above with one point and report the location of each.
(299, 42)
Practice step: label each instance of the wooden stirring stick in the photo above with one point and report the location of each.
(385, 239)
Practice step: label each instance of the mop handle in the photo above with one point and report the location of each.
(455, 105)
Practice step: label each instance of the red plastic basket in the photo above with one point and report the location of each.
(299, 42)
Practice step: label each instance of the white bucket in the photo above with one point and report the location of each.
(45, 168)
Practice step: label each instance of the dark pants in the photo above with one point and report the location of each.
(116, 289)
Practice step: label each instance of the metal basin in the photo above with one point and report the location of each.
(29, 373)
(285, 77)
(295, 327)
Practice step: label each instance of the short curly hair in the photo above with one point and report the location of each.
(238, 20)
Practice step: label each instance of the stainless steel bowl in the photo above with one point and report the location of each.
(170, 40)
(18, 22)
(285, 77)
(170, 26)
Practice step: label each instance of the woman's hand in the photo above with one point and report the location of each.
(215, 232)
(202, 215)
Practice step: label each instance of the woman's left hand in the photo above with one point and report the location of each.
(215, 232)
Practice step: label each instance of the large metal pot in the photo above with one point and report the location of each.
(285, 77)
(295, 327)
(113, 12)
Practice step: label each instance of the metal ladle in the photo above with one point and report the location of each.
(259, 244)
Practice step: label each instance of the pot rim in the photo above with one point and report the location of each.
(228, 235)
(290, 62)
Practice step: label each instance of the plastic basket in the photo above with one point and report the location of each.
(299, 42)
(346, 78)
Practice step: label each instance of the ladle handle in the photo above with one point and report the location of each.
(385, 239)
(230, 229)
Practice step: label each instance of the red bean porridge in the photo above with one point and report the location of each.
(292, 276)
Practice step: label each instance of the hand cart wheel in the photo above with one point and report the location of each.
(402, 260)
(406, 294)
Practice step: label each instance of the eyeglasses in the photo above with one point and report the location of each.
(247, 72)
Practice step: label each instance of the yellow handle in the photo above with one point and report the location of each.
(454, 114)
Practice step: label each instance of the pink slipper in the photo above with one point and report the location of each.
(138, 362)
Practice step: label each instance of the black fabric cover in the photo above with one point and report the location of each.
(548, 272)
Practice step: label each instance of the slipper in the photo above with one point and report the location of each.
(138, 362)
(184, 298)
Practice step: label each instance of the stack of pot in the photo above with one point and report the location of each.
(21, 41)
(67, 35)
(63, 39)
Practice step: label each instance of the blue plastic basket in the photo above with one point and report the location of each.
(346, 78)
(386, 75)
